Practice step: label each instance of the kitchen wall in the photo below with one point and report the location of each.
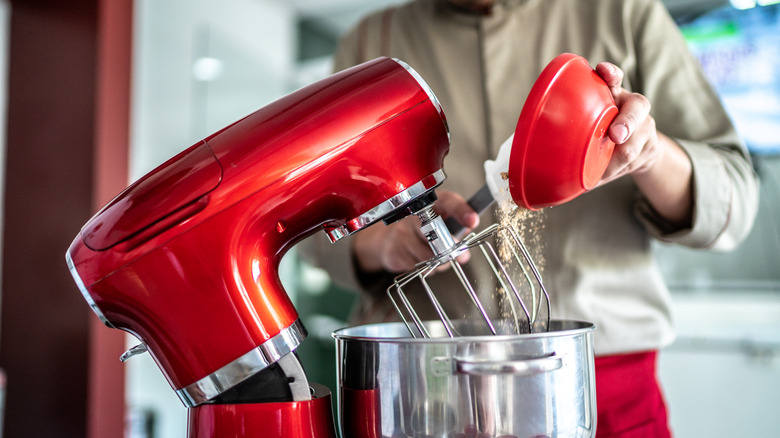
(200, 64)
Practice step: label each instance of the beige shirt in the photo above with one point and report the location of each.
(595, 250)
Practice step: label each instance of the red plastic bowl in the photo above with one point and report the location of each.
(561, 148)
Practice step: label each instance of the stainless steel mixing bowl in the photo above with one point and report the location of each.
(531, 385)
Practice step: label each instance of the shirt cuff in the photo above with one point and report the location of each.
(712, 194)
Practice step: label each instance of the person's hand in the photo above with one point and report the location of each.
(633, 130)
(399, 246)
(658, 165)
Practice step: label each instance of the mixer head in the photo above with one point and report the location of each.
(186, 259)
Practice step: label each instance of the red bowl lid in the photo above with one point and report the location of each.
(561, 148)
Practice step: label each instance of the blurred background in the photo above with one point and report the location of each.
(95, 93)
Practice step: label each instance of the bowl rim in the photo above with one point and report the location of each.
(564, 328)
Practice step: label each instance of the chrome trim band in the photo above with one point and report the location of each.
(85, 292)
(429, 92)
(387, 207)
(245, 366)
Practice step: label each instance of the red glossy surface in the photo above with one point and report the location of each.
(178, 183)
(304, 419)
(199, 283)
(561, 149)
(360, 415)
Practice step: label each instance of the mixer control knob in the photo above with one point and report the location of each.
(138, 349)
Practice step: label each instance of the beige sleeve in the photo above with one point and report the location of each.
(686, 108)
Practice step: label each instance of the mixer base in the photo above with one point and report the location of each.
(293, 419)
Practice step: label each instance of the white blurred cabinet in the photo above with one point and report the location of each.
(722, 376)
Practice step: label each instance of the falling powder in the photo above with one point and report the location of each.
(528, 225)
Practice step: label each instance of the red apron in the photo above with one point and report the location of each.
(629, 400)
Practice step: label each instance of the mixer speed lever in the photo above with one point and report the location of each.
(138, 349)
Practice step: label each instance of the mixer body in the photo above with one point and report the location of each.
(186, 258)
(289, 419)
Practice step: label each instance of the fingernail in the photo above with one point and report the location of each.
(620, 132)
(471, 219)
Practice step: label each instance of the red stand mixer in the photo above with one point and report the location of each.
(186, 259)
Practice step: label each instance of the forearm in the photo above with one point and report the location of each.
(365, 246)
(667, 184)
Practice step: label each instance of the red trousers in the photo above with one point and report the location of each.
(629, 400)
